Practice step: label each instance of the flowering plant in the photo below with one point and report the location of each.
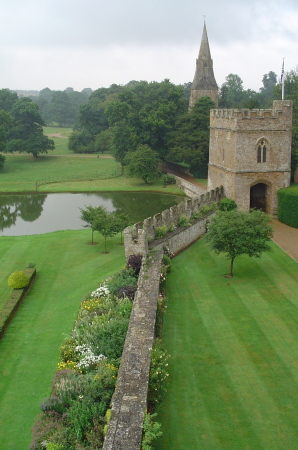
(87, 358)
(102, 291)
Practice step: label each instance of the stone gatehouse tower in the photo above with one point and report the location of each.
(250, 154)
(204, 83)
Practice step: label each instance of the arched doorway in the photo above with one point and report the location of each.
(258, 196)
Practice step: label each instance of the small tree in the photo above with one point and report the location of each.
(143, 163)
(235, 233)
(92, 216)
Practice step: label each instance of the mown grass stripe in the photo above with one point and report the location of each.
(236, 341)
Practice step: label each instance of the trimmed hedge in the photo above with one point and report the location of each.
(14, 301)
(288, 205)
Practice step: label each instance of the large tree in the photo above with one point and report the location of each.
(26, 132)
(235, 233)
(143, 163)
(189, 142)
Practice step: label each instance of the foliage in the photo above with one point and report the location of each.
(168, 179)
(227, 204)
(235, 233)
(288, 205)
(143, 163)
(61, 107)
(166, 260)
(158, 372)
(26, 133)
(183, 221)
(189, 141)
(145, 113)
(151, 431)
(161, 231)
(203, 211)
(92, 216)
(81, 394)
(135, 262)
(2, 161)
(18, 280)
(126, 277)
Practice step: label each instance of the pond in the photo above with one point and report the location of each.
(42, 213)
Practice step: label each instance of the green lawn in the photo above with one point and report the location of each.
(234, 343)
(21, 172)
(61, 141)
(67, 269)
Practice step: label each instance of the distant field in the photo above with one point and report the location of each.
(233, 343)
(21, 172)
(61, 143)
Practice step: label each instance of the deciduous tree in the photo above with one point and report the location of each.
(235, 233)
(143, 163)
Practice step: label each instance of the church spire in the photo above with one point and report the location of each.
(204, 83)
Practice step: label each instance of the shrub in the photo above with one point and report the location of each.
(160, 232)
(135, 262)
(125, 277)
(288, 206)
(52, 404)
(171, 227)
(227, 204)
(18, 280)
(68, 350)
(158, 372)
(127, 291)
(183, 221)
(151, 431)
(166, 260)
(168, 179)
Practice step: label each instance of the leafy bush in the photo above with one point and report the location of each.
(135, 262)
(18, 280)
(288, 206)
(127, 291)
(168, 179)
(183, 221)
(171, 227)
(158, 372)
(52, 404)
(227, 204)
(126, 277)
(160, 232)
(151, 431)
(166, 260)
(68, 350)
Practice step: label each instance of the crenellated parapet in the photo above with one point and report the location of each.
(279, 117)
(136, 237)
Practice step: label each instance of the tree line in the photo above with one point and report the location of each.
(152, 118)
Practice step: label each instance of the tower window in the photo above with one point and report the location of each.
(262, 151)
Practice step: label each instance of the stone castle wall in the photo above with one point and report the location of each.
(129, 401)
(235, 136)
(136, 238)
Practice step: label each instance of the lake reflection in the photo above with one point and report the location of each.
(43, 213)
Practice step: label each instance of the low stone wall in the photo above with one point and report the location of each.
(191, 190)
(129, 402)
(136, 237)
(183, 237)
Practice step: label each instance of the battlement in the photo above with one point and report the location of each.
(136, 237)
(281, 112)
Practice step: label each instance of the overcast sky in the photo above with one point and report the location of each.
(95, 43)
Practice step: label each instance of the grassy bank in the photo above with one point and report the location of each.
(60, 137)
(67, 269)
(233, 380)
(21, 172)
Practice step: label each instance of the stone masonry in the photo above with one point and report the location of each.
(250, 154)
(129, 402)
